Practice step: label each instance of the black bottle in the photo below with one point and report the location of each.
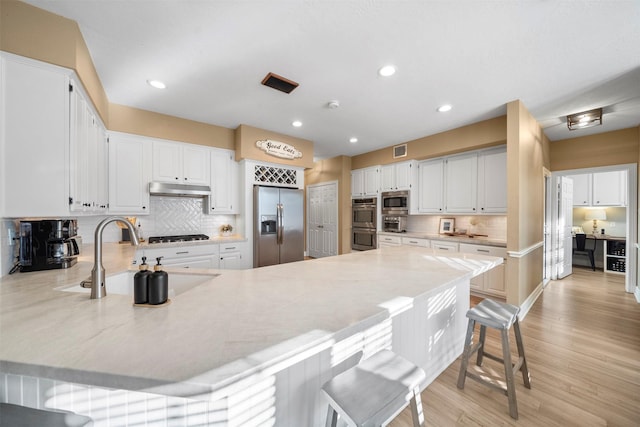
(158, 284)
(141, 283)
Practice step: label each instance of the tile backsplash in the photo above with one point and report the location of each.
(168, 216)
(495, 226)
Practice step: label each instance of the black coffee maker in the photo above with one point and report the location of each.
(48, 244)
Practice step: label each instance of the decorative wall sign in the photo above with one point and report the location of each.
(279, 149)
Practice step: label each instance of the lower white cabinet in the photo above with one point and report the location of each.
(444, 246)
(235, 256)
(492, 282)
(413, 241)
(196, 256)
(386, 240)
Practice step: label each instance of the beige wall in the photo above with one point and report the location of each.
(246, 137)
(477, 135)
(142, 122)
(336, 169)
(605, 149)
(527, 154)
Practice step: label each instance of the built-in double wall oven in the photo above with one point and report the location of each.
(364, 223)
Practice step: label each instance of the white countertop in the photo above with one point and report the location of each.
(214, 334)
(462, 238)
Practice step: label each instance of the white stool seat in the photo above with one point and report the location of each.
(375, 391)
(22, 416)
(494, 314)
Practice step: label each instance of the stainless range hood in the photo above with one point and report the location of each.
(182, 190)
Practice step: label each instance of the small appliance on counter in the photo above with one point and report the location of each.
(394, 223)
(48, 244)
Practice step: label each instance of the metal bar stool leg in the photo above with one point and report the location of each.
(523, 360)
(483, 334)
(466, 354)
(508, 371)
(416, 408)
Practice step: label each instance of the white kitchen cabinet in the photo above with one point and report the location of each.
(461, 181)
(88, 156)
(444, 246)
(187, 256)
(610, 188)
(493, 281)
(181, 163)
(600, 189)
(413, 241)
(365, 182)
(431, 186)
(581, 189)
(492, 181)
(129, 173)
(386, 240)
(224, 182)
(34, 138)
(234, 256)
(398, 176)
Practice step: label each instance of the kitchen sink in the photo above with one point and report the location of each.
(122, 283)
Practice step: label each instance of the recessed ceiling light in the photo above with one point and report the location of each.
(387, 70)
(444, 108)
(353, 140)
(296, 124)
(157, 84)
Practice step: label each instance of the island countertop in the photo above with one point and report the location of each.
(234, 324)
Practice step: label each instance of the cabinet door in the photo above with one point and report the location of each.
(129, 174)
(388, 178)
(461, 183)
(357, 182)
(492, 181)
(167, 162)
(234, 256)
(609, 188)
(431, 179)
(581, 189)
(224, 181)
(79, 136)
(403, 175)
(34, 116)
(371, 183)
(196, 167)
(103, 168)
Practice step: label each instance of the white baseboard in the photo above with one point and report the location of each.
(531, 299)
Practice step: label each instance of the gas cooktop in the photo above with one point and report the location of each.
(179, 238)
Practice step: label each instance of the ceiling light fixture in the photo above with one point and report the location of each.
(157, 84)
(585, 119)
(387, 70)
(353, 140)
(296, 124)
(444, 108)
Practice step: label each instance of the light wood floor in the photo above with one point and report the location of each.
(582, 342)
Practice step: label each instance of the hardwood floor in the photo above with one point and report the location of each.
(582, 343)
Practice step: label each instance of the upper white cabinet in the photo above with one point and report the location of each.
(431, 187)
(365, 182)
(224, 182)
(180, 163)
(600, 189)
(129, 173)
(492, 181)
(461, 180)
(34, 118)
(88, 191)
(398, 176)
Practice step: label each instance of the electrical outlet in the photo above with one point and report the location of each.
(11, 236)
(612, 224)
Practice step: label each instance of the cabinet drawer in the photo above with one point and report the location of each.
(393, 240)
(445, 246)
(483, 250)
(411, 241)
(179, 252)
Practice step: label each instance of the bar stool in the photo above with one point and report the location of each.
(375, 391)
(492, 314)
(22, 416)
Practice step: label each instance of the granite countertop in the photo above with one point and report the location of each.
(214, 334)
(463, 238)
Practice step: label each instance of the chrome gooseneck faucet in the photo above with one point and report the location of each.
(96, 281)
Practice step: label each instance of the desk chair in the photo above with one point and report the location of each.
(583, 249)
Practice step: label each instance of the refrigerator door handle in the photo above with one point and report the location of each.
(279, 223)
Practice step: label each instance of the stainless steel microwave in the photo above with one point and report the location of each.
(395, 203)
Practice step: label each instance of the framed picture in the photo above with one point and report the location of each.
(447, 225)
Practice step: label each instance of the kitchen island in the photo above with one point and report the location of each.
(248, 346)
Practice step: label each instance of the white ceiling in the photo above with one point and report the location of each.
(557, 56)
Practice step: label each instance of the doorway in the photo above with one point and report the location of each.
(322, 219)
(630, 228)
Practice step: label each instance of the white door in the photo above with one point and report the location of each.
(322, 222)
(565, 221)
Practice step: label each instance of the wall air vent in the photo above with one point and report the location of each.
(400, 151)
(279, 83)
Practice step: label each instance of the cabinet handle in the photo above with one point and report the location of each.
(182, 252)
(229, 248)
(321, 226)
(176, 177)
(144, 207)
(483, 250)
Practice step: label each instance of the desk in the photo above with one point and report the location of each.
(602, 260)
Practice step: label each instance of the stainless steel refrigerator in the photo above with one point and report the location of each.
(278, 231)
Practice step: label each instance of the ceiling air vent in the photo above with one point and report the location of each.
(279, 83)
